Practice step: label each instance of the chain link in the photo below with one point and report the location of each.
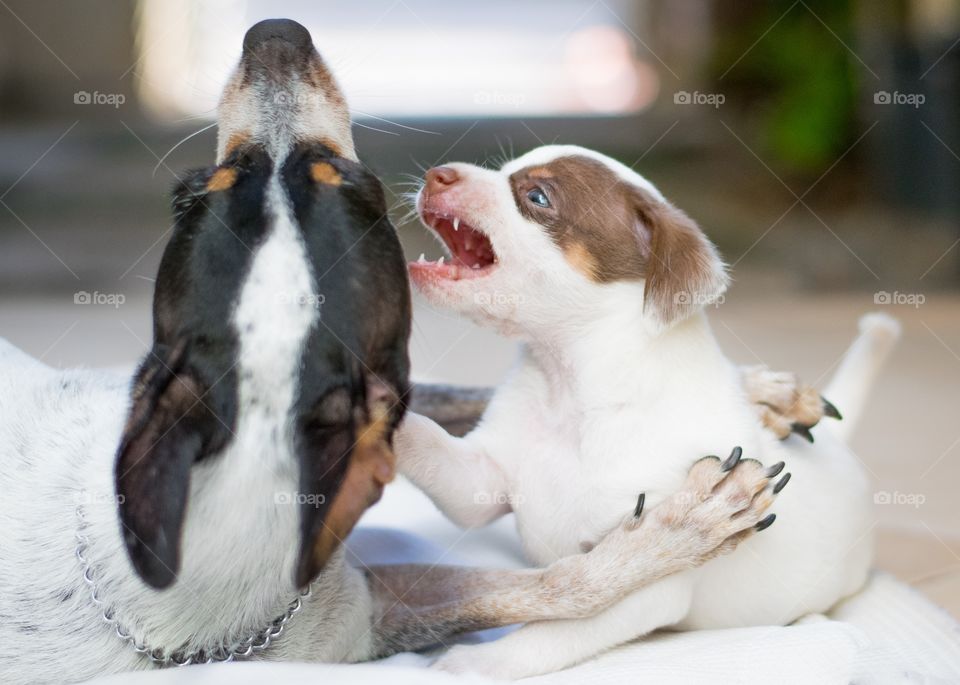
(243, 649)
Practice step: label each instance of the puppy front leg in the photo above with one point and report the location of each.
(456, 473)
(456, 408)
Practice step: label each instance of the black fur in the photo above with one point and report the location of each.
(364, 321)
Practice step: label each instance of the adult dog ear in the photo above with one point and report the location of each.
(346, 459)
(167, 431)
(683, 271)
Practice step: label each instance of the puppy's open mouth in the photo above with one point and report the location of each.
(471, 253)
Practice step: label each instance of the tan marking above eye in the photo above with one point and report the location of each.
(323, 172)
(222, 179)
(332, 145)
(539, 172)
(235, 141)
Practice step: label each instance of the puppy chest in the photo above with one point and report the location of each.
(568, 503)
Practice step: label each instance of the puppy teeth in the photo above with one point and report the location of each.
(423, 258)
(440, 262)
(456, 223)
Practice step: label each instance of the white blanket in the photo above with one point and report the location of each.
(888, 633)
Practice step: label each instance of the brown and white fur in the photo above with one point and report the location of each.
(620, 379)
(188, 538)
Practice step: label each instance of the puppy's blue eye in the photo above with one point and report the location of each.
(538, 197)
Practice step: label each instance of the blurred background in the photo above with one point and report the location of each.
(816, 141)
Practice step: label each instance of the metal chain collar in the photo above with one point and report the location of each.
(240, 649)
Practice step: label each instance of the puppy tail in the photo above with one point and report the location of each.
(853, 381)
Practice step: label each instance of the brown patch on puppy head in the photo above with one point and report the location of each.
(222, 179)
(611, 230)
(323, 172)
(591, 217)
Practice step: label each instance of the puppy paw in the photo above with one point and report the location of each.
(721, 503)
(785, 405)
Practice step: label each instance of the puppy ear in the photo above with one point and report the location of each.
(683, 270)
(166, 432)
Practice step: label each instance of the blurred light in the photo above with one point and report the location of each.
(412, 59)
(605, 73)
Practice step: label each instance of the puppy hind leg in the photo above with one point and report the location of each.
(549, 646)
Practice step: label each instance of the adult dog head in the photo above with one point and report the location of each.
(281, 320)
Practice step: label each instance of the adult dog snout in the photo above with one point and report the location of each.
(440, 178)
(283, 32)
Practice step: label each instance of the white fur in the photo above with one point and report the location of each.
(604, 404)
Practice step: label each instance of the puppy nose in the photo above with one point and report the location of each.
(285, 30)
(439, 178)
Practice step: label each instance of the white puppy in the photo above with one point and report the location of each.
(619, 382)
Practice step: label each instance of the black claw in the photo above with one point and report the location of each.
(639, 508)
(732, 460)
(781, 484)
(766, 522)
(802, 431)
(775, 470)
(830, 410)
